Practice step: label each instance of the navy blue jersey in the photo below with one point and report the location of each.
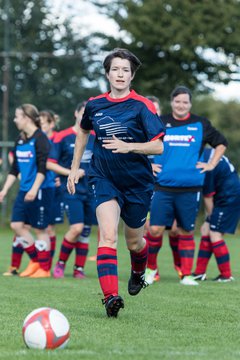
(64, 143)
(131, 119)
(30, 157)
(222, 182)
(183, 146)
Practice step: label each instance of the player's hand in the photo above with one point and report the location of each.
(116, 145)
(204, 166)
(73, 179)
(30, 195)
(156, 169)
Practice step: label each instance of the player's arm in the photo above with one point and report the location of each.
(208, 204)
(153, 147)
(42, 151)
(7, 185)
(218, 153)
(80, 145)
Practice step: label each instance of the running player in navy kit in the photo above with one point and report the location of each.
(36, 190)
(179, 183)
(79, 208)
(221, 193)
(127, 130)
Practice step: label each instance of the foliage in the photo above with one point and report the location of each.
(188, 42)
(48, 61)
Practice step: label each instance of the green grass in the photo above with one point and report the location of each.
(165, 321)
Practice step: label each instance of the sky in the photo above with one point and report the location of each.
(84, 13)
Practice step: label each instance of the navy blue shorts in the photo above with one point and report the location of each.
(36, 213)
(182, 206)
(224, 219)
(57, 214)
(134, 206)
(79, 209)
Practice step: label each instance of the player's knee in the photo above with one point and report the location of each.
(76, 230)
(156, 230)
(16, 227)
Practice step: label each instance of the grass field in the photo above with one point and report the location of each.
(165, 321)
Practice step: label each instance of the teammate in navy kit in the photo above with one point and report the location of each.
(79, 208)
(48, 122)
(179, 183)
(221, 193)
(36, 190)
(127, 130)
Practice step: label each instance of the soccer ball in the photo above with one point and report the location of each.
(46, 328)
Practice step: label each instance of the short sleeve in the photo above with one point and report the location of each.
(152, 124)
(86, 123)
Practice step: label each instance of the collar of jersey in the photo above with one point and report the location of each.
(132, 92)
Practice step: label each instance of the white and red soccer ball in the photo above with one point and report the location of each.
(46, 328)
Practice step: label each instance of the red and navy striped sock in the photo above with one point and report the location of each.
(107, 267)
(173, 242)
(154, 245)
(204, 255)
(81, 253)
(17, 252)
(221, 253)
(53, 240)
(65, 251)
(139, 259)
(186, 247)
(44, 259)
(32, 252)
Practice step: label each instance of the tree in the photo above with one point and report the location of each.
(179, 42)
(48, 61)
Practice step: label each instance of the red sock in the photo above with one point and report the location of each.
(32, 252)
(204, 255)
(173, 242)
(17, 252)
(221, 253)
(139, 259)
(107, 270)
(44, 259)
(186, 247)
(66, 249)
(154, 245)
(81, 253)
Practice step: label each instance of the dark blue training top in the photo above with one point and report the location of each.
(183, 145)
(30, 157)
(131, 119)
(222, 182)
(64, 143)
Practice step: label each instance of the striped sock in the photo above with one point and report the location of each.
(204, 255)
(173, 242)
(81, 253)
(154, 245)
(186, 247)
(44, 259)
(139, 259)
(53, 240)
(32, 252)
(221, 253)
(107, 270)
(65, 251)
(82, 247)
(17, 252)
